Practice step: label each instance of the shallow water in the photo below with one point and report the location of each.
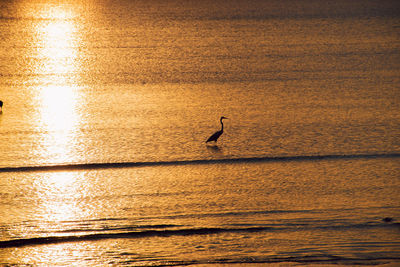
(107, 106)
(303, 210)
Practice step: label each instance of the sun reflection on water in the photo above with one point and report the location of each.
(57, 66)
(58, 109)
(59, 195)
(64, 254)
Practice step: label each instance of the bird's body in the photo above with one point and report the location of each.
(1, 105)
(217, 134)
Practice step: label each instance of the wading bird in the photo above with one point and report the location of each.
(217, 134)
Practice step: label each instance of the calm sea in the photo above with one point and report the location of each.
(108, 104)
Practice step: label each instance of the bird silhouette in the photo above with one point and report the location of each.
(1, 105)
(217, 134)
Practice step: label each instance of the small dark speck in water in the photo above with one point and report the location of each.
(387, 219)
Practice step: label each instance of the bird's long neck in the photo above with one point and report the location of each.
(222, 126)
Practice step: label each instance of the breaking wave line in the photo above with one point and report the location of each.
(181, 232)
(149, 233)
(107, 165)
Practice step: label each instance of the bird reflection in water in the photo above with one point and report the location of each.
(214, 149)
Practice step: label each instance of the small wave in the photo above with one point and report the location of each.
(118, 228)
(178, 232)
(289, 260)
(228, 214)
(106, 165)
(148, 233)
